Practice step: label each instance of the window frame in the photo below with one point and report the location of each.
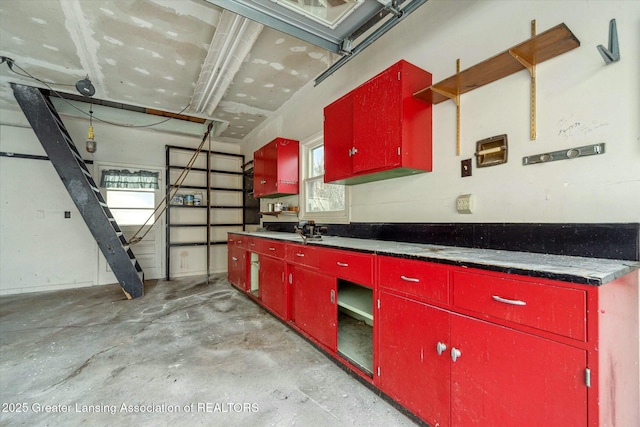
(158, 193)
(149, 211)
(336, 217)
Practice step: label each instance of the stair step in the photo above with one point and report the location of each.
(87, 173)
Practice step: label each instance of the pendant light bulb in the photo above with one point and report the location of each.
(91, 146)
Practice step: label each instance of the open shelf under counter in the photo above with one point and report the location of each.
(358, 300)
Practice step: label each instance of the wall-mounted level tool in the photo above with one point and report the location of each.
(571, 153)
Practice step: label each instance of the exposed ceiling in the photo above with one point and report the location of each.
(189, 56)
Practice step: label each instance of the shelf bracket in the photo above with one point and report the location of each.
(455, 97)
(451, 95)
(528, 63)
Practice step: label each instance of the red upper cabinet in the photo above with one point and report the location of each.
(338, 139)
(276, 167)
(379, 130)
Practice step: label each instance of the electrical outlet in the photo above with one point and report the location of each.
(464, 204)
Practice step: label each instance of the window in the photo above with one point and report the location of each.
(320, 201)
(132, 207)
(130, 195)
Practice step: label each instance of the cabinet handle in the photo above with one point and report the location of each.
(409, 279)
(455, 353)
(252, 244)
(440, 348)
(263, 181)
(299, 254)
(508, 301)
(342, 264)
(272, 249)
(234, 258)
(239, 241)
(333, 296)
(290, 279)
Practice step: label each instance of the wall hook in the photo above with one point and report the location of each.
(613, 53)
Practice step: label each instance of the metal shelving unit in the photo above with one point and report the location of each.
(204, 177)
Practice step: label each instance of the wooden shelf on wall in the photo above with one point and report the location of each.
(544, 46)
(277, 213)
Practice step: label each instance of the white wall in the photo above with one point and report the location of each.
(580, 101)
(39, 248)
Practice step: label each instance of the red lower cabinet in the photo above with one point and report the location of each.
(453, 370)
(503, 377)
(272, 285)
(411, 370)
(314, 305)
(458, 346)
(237, 266)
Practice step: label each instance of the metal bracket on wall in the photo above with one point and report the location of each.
(529, 64)
(613, 53)
(455, 97)
(571, 153)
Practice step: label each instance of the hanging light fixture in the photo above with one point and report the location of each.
(91, 143)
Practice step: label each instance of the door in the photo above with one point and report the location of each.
(338, 139)
(314, 305)
(507, 377)
(412, 371)
(377, 122)
(272, 285)
(131, 208)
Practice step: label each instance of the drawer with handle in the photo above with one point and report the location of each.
(418, 278)
(237, 240)
(348, 265)
(551, 308)
(270, 247)
(303, 255)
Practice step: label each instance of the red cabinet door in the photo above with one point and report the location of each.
(505, 377)
(338, 139)
(288, 166)
(377, 123)
(272, 285)
(270, 161)
(259, 172)
(276, 168)
(314, 305)
(411, 370)
(236, 266)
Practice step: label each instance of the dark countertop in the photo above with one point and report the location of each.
(590, 271)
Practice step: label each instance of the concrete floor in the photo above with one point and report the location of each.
(185, 353)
